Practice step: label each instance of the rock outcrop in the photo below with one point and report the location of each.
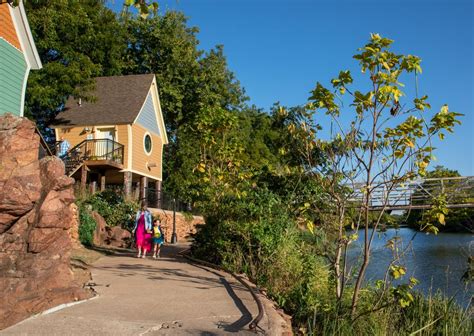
(74, 230)
(100, 232)
(118, 237)
(107, 236)
(35, 218)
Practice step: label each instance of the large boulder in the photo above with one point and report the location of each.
(118, 237)
(113, 236)
(36, 215)
(100, 233)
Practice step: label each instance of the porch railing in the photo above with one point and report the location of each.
(93, 149)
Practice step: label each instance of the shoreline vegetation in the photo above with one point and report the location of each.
(284, 260)
(272, 192)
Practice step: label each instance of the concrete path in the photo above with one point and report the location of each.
(168, 296)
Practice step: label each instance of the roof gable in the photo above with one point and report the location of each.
(151, 116)
(20, 37)
(8, 32)
(117, 100)
(147, 117)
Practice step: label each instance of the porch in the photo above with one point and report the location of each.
(97, 153)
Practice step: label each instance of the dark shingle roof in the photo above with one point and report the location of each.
(118, 100)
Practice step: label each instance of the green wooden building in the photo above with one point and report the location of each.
(18, 55)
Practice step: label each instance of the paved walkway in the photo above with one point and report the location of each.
(168, 296)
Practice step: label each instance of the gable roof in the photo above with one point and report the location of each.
(117, 100)
(151, 115)
(16, 31)
(8, 31)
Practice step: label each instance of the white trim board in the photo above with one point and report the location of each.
(23, 30)
(141, 174)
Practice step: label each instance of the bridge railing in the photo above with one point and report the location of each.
(459, 192)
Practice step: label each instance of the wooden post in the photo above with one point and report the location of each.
(83, 177)
(136, 192)
(143, 188)
(93, 187)
(102, 182)
(127, 184)
(159, 195)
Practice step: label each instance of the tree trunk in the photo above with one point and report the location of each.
(337, 261)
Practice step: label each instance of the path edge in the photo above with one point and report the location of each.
(279, 323)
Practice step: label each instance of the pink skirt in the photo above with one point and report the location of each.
(143, 238)
(147, 241)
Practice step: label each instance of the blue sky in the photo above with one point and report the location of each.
(280, 49)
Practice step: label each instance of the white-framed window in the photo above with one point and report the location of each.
(147, 143)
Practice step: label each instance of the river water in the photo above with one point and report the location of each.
(438, 262)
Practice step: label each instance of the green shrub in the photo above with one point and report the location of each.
(256, 235)
(432, 315)
(86, 227)
(113, 207)
(124, 215)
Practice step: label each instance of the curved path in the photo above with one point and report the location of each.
(167, 296)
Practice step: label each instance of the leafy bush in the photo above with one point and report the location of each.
(432, 315)
(113, 207)
(86, 226)
(255, 235)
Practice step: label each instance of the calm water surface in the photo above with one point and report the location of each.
(438, 262)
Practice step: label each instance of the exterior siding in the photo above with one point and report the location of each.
(140, 158)
(76, 135)
(147, 116)
(13, 69)
(73, 135)
(8, 31)
(122, 138)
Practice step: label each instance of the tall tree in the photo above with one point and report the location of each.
(386, 141)
(167, 47)
(77, 41)
(217, 100)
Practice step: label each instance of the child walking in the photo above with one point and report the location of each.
(158, 238)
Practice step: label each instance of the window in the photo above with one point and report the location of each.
(147, 144)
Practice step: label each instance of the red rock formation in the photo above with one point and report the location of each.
(109, 236)
(118, 237)
(74, 230)
(100, 233)
(35, 219)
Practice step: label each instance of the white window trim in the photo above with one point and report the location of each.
(143, 142)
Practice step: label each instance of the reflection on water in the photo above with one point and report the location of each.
(438, 262)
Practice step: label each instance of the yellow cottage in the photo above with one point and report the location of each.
(116, 139)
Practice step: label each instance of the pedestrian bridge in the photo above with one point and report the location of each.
(416, 194)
